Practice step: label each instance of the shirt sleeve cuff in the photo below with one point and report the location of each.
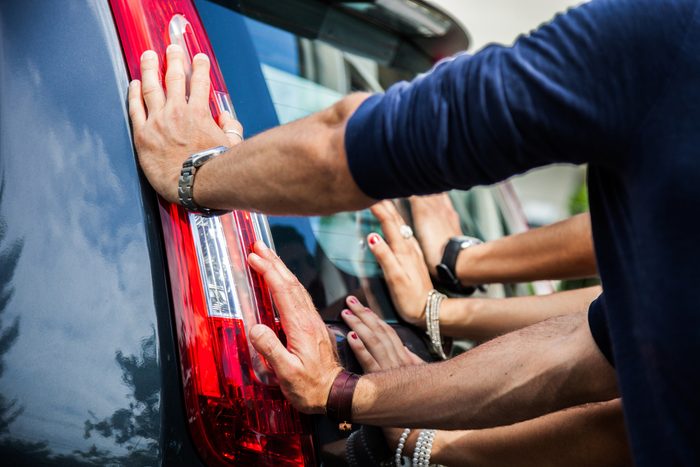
(598, 324)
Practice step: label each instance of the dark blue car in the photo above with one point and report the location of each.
(122, 318)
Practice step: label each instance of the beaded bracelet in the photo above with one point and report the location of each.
(399, 449)
(424, 447)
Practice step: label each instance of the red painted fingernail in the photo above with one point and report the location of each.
(352, 300)
(347, 312)
(373, 239)
(353, 335)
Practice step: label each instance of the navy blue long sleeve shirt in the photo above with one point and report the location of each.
(615, 84)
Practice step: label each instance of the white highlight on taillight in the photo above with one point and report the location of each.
(215, 267)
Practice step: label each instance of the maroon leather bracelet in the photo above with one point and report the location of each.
(339, 404)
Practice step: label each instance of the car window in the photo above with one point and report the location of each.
(301, 76)
(328, 254)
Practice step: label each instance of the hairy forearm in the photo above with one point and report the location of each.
(592, 434)
(537, 370)
(559, 251)
(310, 148)
(481, 319)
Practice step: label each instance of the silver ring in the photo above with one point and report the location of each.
(406, 231)
(234, 132)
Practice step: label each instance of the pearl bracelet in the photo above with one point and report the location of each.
(424, 446)
(399, 449)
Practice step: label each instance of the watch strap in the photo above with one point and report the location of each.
(447, 269)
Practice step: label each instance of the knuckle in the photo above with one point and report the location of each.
(175, 75)
(149, 89)
(372, 340)
(176, 110)
(201, 112)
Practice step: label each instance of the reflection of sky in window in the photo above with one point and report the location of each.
(296, 97)
(275, 47)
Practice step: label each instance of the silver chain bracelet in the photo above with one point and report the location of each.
(432, 321)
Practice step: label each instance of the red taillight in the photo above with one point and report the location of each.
(236, 412)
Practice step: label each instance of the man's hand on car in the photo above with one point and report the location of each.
(308, 365)
(176, 122)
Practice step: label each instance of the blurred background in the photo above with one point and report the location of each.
(548, 194)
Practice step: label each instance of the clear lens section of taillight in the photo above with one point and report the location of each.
(236, 412)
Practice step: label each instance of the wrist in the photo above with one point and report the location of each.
(338, 405)
(467, 266)
(202, 189)
(448, 310)
(447, 276)
(191, 168)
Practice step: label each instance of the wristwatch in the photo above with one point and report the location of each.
(186, 182)
(446, 270)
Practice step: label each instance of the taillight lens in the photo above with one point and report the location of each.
(236, 412)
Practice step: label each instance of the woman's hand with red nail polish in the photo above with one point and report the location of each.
(375, 344)
(403, 264)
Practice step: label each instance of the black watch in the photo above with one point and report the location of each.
(446, 270)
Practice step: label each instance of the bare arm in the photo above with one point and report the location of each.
(559, 251)
(281, 161)
(592, 434)
(270, 173)
(540, 369)
(481, 319)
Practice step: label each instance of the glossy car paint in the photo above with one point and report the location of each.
(88, 370)
(87, 364)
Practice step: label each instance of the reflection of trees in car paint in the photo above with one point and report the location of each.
(9, 257)
(132, 426)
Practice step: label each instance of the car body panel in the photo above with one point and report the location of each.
(89, 372)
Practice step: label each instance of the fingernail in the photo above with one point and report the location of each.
(353, 335)
(373, 239)
(201, 56)
(174, 48)
(149, 54)
(352, 300)
(261, 245)
(134, 83)
(347, 312)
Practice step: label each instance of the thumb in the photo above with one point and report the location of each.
(232, 128)
(266, 342)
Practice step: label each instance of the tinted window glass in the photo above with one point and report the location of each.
(275, 77)
(300, 76)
